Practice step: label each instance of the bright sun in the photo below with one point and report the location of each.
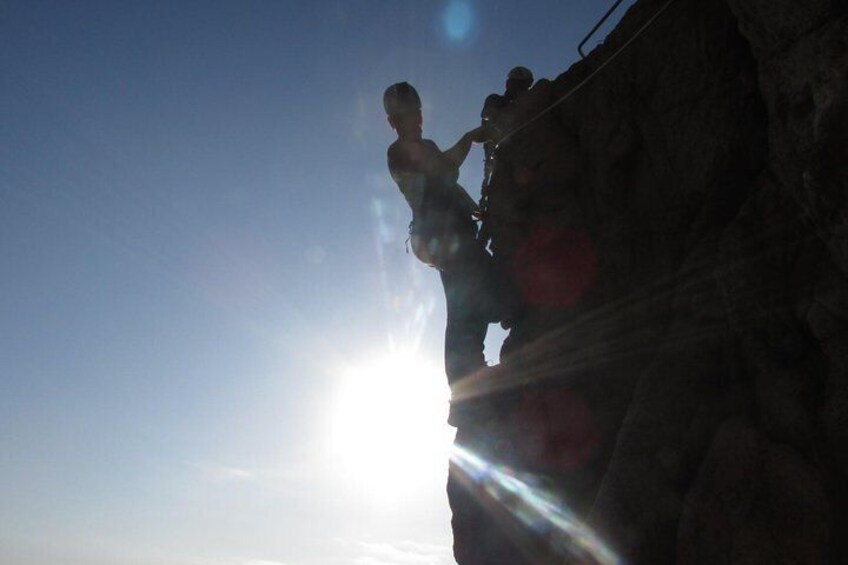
(389, 429)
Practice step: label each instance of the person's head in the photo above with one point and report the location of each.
(403, 110)
(518, 80)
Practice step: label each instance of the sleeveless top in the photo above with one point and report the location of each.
(441, 209)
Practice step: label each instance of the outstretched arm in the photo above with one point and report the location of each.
(459, 152)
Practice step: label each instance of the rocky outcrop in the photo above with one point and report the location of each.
(679, 230)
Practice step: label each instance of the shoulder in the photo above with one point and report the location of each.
(412, 156)
(493, 103)
(395, 155)
(405, 157)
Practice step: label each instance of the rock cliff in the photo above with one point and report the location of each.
(678, 228)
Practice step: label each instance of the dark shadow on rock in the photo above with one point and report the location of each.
(679, 229)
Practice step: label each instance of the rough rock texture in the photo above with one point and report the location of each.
(679, 229)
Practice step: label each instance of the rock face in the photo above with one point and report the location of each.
(679, 230)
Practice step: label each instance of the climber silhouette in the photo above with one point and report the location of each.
(443, 232)
(518, 81)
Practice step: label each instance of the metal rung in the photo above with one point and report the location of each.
(597, 25)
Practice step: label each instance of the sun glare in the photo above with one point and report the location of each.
(389, 429)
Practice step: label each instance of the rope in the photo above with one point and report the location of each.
(583, 82)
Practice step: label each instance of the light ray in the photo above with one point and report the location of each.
(615, 332)
(538, 513)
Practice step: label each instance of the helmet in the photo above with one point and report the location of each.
(520, 73)
(399, 98)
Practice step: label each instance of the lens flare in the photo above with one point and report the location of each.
(457, 20)
(555, 266)
(536, 510)
(458, 24)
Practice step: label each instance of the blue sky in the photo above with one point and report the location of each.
(202, 272)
